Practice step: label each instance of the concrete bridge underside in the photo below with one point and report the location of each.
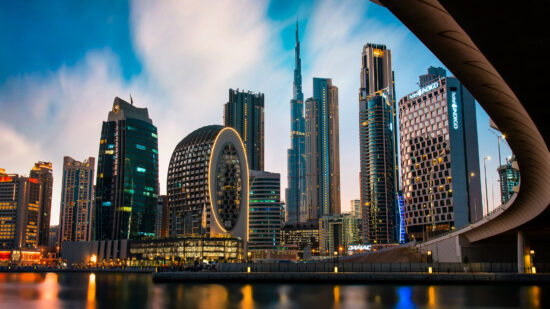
(499, 51)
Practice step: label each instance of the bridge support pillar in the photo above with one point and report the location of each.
(521, 252)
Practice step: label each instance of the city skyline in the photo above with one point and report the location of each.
(47, 92)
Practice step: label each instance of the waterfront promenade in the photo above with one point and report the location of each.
(352, 277)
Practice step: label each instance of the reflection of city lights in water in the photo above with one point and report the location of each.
(49, 288)
(208, 296)
(405, 297)
(533, 294)
(91, 291)
(283, 295)
(431, 296)
(248, 301)
(336, 296)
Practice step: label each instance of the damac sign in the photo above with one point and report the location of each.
(454, 108)
(421, 91)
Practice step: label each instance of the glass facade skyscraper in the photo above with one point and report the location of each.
(378, 149)
(265, 210)
(244, 112)
(509, 179)
(127, 175)
(322, 151)
(295, 193)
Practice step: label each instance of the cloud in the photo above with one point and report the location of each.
(191, 53)
(48, 116)
(335, 36)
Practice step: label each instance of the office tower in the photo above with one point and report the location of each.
(127, 175)
(19, 211)
(161, 222)
(509, 179)
(439, 158)
(43, 172)
(355, 208)
(322, 151)
(75, 218)
(337, 232)
(244, 112)
(377, 144)
(296, 192)
(265, 210)
(207, 184)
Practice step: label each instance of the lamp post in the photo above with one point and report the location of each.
(470, 175)
(486, 192)
(503, 136)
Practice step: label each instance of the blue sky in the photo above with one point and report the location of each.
(62, 64)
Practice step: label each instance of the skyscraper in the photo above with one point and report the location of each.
(322, 151)
(378, 149)
(19, 211)
(265, 210)
(75, 219)
(509, 179)
(295, 193)
(43, 172)
(355, 209)
(244, 112)
(207, 184)
(439, 157)
(127, 174)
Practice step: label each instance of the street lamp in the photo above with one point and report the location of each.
(486, 191)
(503, 136)
(470, 175)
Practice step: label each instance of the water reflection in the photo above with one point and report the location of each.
(91, 292)
(81, 290)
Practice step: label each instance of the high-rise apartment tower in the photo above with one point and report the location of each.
(75, 219)
(244, 112)
(439, 157)
(322, 151)
(378, 149)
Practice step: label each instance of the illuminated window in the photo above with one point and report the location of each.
(154, 135)
(140, 169)
(141, 147)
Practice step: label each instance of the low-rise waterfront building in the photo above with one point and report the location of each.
(153, 252)
(337, 232)
(301, 235)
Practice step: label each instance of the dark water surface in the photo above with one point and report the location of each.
(109, 290)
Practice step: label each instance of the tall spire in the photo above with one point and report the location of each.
(297, 30)
(298, 95)
(295, 193)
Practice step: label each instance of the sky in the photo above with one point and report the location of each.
(63, 63)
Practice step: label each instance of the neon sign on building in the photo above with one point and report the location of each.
(423, 90)
(454, 108)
